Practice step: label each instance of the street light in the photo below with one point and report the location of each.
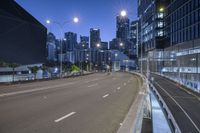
(76, 19)
(98, 45)
(123, 13)
(121, 44)
(161, 9)
(48, 21)
(61, 26)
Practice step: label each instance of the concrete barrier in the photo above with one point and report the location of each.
(133, 120)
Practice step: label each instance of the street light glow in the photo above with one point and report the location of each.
(76, 19)
(161, 9)
(98, 45)
(48, 21)
(121, 44)
(123, 13)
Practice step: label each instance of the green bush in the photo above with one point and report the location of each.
(74, 68)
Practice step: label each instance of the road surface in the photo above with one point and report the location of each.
(95, 103)
(185, 106)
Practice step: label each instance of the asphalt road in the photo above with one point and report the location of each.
(95, 103)
(185, 106)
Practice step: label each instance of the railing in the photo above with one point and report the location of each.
(172, 122)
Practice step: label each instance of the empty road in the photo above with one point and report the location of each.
(96, 103)
(185, 106)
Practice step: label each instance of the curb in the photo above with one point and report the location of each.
(133, 120)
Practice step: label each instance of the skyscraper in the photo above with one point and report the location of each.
(51, 47)
(70, 41)
(104, 45)
(134, 33)
(134, 38)
(151, 15)
(122, 28)
(94, 37)
(51, 37)
(84, 42)
(182, 34)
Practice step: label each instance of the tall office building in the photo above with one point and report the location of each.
(94, 37)
(70, 41)
(51, 47)
(182, 33)
(84, 42)
(134, 36)
(104, 45)
(51, 51)
(151, 16)
(51, 37)
(134, 39)
(22, 37)
(122, 28)
(115, 44)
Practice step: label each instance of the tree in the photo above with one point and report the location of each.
(44, 67)
(34, 70)
(74, 68)
(13, 66)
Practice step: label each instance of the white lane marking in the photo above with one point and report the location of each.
(105, 95)
(141, 93)
(34, 90)
(64, 117)
(91, 80)
(180, 107)
(118, 88)
(124, 84)
(120, 124)
(92, 85)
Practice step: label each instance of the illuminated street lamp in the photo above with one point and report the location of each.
(161, 9)
(48, 21)
(61, 26)
(98, 45)
(121, 44)
(76, 20)
(123, 13)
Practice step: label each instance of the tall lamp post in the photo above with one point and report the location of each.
(61, 26)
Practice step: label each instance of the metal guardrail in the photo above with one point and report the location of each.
(171, 120)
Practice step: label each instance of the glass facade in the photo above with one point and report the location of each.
(179, 60)
(183, 20)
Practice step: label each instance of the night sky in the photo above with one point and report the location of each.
(92, 13)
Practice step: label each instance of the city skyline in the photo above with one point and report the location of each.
(89, 66)
(104, 19)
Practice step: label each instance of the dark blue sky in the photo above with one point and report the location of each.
(92, 13)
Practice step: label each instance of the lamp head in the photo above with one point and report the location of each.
(76, 19)
(123, 13)
(48, 21)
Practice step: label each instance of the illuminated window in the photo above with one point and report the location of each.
(160, 24)
(160, 33)
(160, 15)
